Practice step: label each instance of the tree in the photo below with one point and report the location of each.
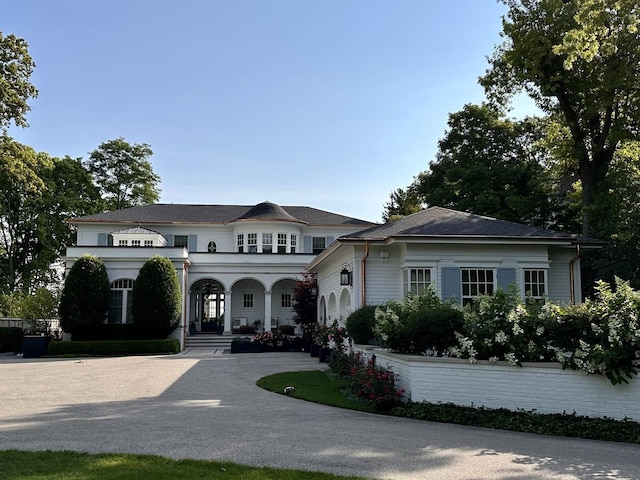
(402, 202)
(123, 174)
(37, 194)
(85, 296)
(156, 300)
(16, 67)
(489, 165)
(579, 60)
(305, 304)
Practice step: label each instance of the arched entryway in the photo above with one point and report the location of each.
(207, 305)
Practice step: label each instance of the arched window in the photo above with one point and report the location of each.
(212, 247)
(120, 301)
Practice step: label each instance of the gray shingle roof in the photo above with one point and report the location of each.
(442, 222)
(162, 213)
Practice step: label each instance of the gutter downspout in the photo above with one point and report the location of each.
(363, 298)
(572, 287)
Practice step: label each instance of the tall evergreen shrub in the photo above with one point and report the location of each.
(156, 298)
(85, 297)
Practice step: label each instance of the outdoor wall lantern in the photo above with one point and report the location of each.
(346, 275)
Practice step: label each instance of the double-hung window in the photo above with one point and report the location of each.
(247, 300)
(534, 283)
(318, 244)
(240, 242)
(252, 242)
(476, 281)
(181, 241)
(120, 301)
(416, 280)
(294, 242)
(282, 243)
(267, 242)
(123, 243)
(286, 300)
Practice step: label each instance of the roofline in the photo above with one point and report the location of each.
(76, 221)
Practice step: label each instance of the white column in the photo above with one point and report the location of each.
(227, 312)
(267, 311)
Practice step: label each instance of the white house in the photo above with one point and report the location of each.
(461, 255)
(236, 264)
(239, 264)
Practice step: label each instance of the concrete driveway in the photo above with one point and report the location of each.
(205, 405)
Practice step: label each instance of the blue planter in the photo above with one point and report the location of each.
(34, 346)
(325, 353)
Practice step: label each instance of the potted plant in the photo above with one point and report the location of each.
(192, 327)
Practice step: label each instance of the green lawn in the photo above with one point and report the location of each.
(20, 465)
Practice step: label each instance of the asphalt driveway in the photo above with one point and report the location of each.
(205, 405)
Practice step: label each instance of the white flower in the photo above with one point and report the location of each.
(493, 359)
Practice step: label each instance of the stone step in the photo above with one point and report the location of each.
(203, 340)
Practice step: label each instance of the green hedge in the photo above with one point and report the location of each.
(10, 339)
(127, 347)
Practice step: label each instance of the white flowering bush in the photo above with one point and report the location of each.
(600, 336)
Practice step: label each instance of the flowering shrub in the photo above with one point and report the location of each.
(371, 384)
(274, 340)
(330, 336)
(418, 323)
(600, 336)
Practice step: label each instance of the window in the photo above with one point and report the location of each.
(181, 241)
(286, 300)
(294, 243)
(240, 242)
(212, 247)
(123, 243)
(120, 301)
(318, 244)
(247, 300)
(534, 283)
(282, 243)
(476, 281)
(252, 242)
(267, 242)
(148, 243)
(416, 280)
(135, 243)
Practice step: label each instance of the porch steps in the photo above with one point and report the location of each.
(208, 340)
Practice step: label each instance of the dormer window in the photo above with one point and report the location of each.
(123, 243)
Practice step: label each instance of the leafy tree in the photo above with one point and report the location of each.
(123, 174)
(305, 303)
(580, 61)
(16, 67)
(489, 165)
(85, 297)
(37, 194)
(402, 202)
(156, 298)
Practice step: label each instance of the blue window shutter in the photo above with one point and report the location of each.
(193, 243)
(307, 244)
(506, 276)
(102, 239)
(329, 241)
(451, 284)
(169, 237)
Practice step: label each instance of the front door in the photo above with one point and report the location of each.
(211, 307)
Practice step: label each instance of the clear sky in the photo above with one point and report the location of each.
(331, 104)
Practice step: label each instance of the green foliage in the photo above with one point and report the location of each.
(123, 174)
(402, 202)
(561, 424)
(16, 67)
(85, 296)
(11, 339)
(156, 299)
(361, 323)
(113, 347)
(304, 304)
(418, 323)
(600, 336)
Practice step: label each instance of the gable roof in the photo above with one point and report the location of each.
(169, 213)
(439, 222)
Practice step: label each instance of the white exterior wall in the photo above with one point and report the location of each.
(383, 275)
(559, 281)
(543, 387)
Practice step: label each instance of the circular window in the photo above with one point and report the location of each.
(212, 248)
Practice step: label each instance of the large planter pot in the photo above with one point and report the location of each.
(315, 350)
(324, 355)
(34, 346)
(246, 347)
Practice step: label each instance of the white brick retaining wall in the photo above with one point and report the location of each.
(543, 387)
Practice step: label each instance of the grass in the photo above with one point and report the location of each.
(313, 386)
(323, 387)
(48, 465)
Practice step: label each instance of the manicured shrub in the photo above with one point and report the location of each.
(361, 323)
(10, 339)
(85, 297)
(156, 299)
(418, 323)
(131, 347)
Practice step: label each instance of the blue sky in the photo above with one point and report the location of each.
(331, 104)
